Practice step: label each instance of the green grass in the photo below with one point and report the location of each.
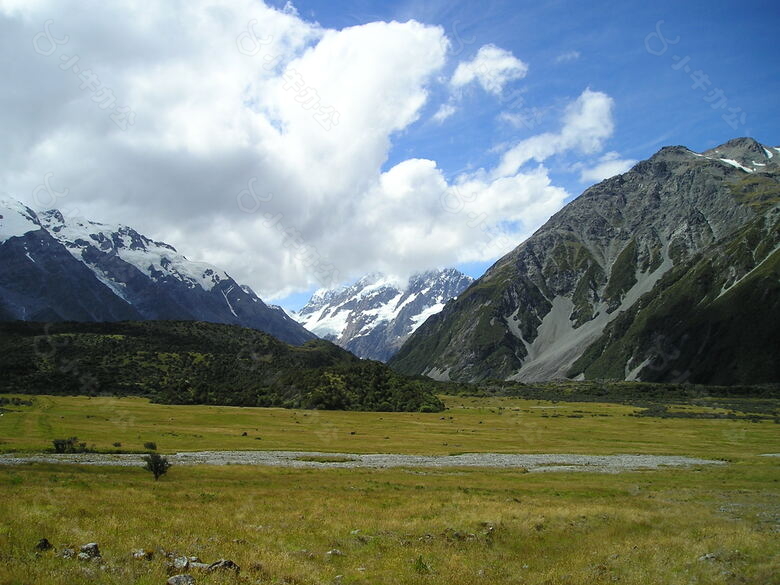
(417, 526)
(758, 191)
(623, 274)
(470, 424)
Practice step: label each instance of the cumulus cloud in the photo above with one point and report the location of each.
(587, 123)
(492, 68)
(609, 165)
(259, 135)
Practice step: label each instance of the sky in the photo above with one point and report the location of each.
(299, 145)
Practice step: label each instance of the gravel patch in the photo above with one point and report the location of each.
(540, 463)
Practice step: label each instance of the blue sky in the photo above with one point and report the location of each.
(461, 127)
(602, 45)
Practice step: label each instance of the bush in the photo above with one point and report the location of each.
(157, 465)
(151, 445)
(69, 445)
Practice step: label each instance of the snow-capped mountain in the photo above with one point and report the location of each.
(373, 317)
(54, 268)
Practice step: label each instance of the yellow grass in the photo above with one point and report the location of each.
(426, 526)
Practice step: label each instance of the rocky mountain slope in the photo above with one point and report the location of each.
(58, 269)
(668, 272)
(373, 317)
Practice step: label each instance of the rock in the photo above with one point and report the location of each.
(181, 580)
(91, 550)
(142, 554)
(335, 553)
(452, 535)
(708, 557)
(181, 563)
(164, 553)
(67, 553)
(223, 565)
(43, 544)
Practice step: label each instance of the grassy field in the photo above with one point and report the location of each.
(714, 524)
(500, 425)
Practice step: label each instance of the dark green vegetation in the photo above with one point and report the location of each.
(69, 445)
(658, 400)
(184, 362)
(157, 465)
(325, 458)
(14, 401)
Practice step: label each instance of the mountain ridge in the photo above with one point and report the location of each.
(535, 312)
(375, 315)
(58, 269)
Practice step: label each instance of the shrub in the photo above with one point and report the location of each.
(157, 465)
(69, 445)
(151, 445)
(422, 566)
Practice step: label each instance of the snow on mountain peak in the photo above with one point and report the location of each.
(16, 219)
(157, 260)
(373, 316)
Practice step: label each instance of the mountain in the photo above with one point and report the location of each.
(373, 317)
(58, 269)
(41, 281)
(187, 362)
(668, 272)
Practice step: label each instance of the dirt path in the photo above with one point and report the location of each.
(533, 463)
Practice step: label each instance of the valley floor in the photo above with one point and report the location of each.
(456, 525)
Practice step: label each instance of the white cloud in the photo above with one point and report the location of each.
(492, 68)
(444, 112)
(210, 118)
(527, 118)
(587, 123)
(567, 57)
(609, 165)
(289, 8)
